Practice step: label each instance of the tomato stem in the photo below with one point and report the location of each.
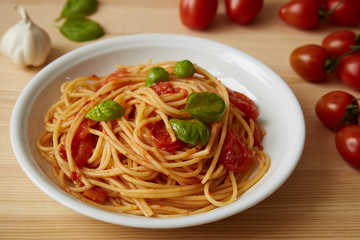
(332, 62)
(330, 65)
(351, 115)
(323, 14)
(353, 49)
(357, 39)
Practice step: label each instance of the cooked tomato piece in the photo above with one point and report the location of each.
(97, 194)
(235, 156)
(83, 144)
(114, 76)
(161, 138)
(258, 136)
(75, 176)
(243, 103)
(162, 88)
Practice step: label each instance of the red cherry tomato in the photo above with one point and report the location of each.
(161, 138)
(321, 2)
(309, 62)
(235, 156)
(331, 109)
(348, 70)
(243, 103)
(243, 11)
(337, 43)
(302, 14)
(197, 14)
(347, 141)
(346, 13)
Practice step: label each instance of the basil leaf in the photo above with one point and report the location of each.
(156, 74)
(106, 110)
(78, 8)
(184, 69)
(190, 130)
(205, 106)
(81, 29)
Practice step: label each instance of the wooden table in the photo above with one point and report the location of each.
(321, 199)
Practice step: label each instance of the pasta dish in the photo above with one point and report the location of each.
(162, 139)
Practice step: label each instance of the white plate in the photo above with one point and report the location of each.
(280, 113)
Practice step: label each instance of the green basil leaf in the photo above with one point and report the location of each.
(105, 111)
(205, 106)
(156, 74)
(184, 69)
(78, 8)
(190, 130)
(81, 29)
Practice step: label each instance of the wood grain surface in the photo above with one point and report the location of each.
(321, 199)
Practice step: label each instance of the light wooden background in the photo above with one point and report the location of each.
(321, 200)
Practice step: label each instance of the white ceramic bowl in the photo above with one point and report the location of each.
(280, 113)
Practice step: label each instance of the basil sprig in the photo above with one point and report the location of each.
(205, 106)
(76, 27)
(105, 111)
(80, 29)
(78, 8)
(190, 130)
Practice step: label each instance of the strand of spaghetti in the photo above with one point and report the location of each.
(137, 132)
(140, 202)
(143, 173)
(152, 193)
(227, 200)
(168, 210)
(189, 174)
(247, 128)
(105, 157)
(217, 153)
(150, 97)
(101, 173)
(181, 163)
(144, 160)
(167, 125)
(195, 152)
(139, 182)
(98, 151)
(139, 116)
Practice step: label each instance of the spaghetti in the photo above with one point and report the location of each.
(135, 163)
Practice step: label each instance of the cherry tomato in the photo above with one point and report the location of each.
(302, 14)
(197, 14)
(161, 138)
(243, 11)
(331, 109)
(346, 13)
(347, 141)
(348, 70)
(243, 103)
(309, 62)
(337, 43)
(321, 2)
(235, 156)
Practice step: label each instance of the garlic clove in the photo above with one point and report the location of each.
(26, 43)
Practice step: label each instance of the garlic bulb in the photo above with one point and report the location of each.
(25, 42)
